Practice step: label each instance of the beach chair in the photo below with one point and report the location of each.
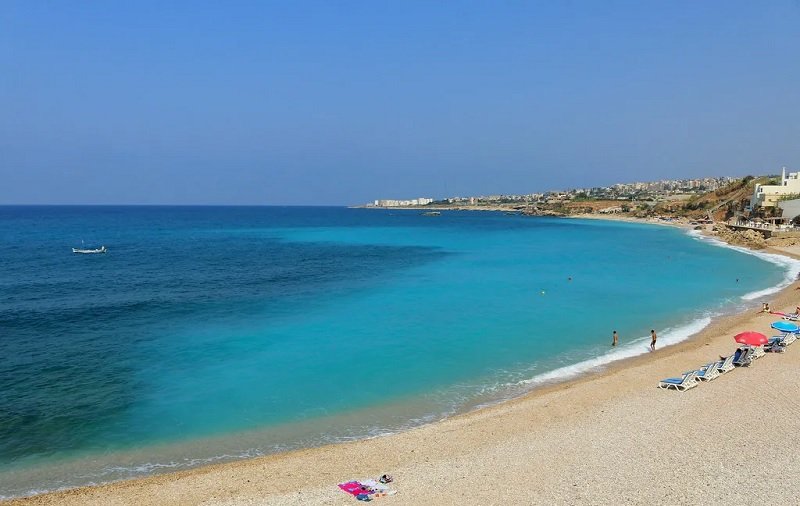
(725, 365)
(687, 381)
(708, 372)
(757, 352)
(774, 346)
(742, 357)
(784, 339)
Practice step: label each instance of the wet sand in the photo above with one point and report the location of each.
(606, 438)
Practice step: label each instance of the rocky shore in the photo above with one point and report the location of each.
(746, 238)
(752, 238)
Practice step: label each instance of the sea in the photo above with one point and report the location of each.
(210, 334)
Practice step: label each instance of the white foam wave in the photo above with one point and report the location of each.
(147, 468)
(639, 347)
(791, 265)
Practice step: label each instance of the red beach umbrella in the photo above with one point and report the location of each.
(751, 338)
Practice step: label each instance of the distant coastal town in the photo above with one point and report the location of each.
(645, 191)
(753, 211)
(772, 198)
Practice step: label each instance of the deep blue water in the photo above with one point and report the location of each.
(253, 329)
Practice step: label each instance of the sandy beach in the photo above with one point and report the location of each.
(609, 437)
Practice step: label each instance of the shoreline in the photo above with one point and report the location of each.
(277, 478)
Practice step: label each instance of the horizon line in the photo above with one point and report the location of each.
(179, 205)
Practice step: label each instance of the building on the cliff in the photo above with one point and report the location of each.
(422, 201)
(768, 195)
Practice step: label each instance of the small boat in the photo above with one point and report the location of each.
(431, 213)
(101, 249)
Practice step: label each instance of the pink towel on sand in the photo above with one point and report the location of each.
(354, 487)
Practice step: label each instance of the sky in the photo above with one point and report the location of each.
(344, 102)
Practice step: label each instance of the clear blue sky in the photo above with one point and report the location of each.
(335, 102)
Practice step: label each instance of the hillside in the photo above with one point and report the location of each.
(719, 205)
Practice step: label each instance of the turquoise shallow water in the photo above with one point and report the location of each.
(216, 333)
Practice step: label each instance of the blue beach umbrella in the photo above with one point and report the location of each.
(785, 327)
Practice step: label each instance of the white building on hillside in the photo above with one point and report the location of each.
(768, 195)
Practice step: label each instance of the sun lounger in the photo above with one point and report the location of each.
(788, 338)
(725, 365)
(687, 381)
(742, 357)
(784, 339)
(774, 347)
(708, 372)
(757, 352)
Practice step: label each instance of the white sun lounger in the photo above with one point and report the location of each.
(708, 372)
(757, 352)
(788, 338)
(725, 365)
(687, 381)
(775, 346)
(784, 339)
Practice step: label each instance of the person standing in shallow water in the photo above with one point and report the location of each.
(653, 340)
(615, 338)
